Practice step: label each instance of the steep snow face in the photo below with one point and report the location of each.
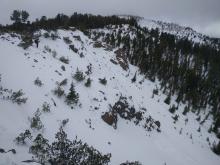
(180, 31)
(178, 142)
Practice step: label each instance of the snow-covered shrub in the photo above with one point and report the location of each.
(78, 76)
(26, 41)
(167, 100)
(172, 109)
(216, 148)
(151, 124)
(88, 82)
(22, 137)
(72, 47)
(67, 40)
(36, 123)
(89, 69)
(81, 55)
(58, 91)
(4, 151)
(54, 53)
(47, 48)
(63, 82)
(78, 38)
(79, 152)
(17, 97)
(103, 81)
(97, 44)
(39, 148)
(54, 36)
(64, 122)
(134, 78)
(46, 107)
(155, 91)
(38, 82)
(64, 60)
(64, 151)
(46, 35)
(63, 68)
(175, 118)
(186, 110)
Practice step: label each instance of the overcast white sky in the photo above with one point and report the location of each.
(202, 15)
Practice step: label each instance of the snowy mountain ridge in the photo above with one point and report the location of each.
(181, 139)
(181, 32)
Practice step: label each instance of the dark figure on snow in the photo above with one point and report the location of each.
(36, 41)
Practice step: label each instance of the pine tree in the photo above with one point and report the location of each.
(16, 16)
(24, 16)
(61, 149)
(72, 97)
(64, 151)
(40, 148)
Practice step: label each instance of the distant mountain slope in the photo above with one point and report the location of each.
(179, 31)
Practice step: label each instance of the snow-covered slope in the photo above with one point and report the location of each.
(178, 142)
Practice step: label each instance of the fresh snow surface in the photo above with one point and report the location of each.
(19, 68)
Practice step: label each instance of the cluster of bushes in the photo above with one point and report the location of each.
(71, 98)
(22, 137)
(62, 150)
(79, 76)
(15, 97)
(18, 97)
(53, 35)
(49, 50)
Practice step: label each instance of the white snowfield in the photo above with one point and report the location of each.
(177, 144)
